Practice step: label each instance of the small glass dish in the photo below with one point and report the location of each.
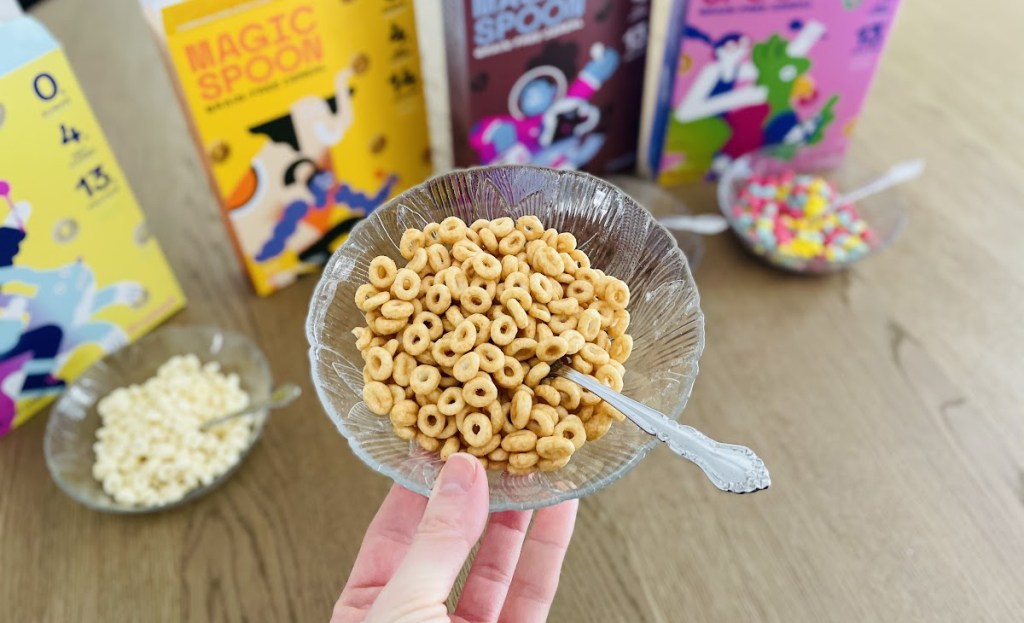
(884, 213)
(621, 238)
(74, 420)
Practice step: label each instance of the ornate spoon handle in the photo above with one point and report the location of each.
(728, 466)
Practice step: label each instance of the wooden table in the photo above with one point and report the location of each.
(887, 400)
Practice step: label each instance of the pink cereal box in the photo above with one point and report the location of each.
(787, 74)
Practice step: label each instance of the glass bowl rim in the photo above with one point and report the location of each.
(318, 308)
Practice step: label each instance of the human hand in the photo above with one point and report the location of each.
(414, 549)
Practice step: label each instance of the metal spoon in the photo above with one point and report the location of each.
(703, 224)
(280, 397)
(897, 174)
(729, 467)
(711, 224)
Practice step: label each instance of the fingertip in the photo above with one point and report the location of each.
(460, 473)
(560, 517)
(461, 490)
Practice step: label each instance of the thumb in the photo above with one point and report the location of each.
(452, 523)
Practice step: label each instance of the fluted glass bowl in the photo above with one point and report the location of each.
(71, 430)
(884, 213)
(620, 237)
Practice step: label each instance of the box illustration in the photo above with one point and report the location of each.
(80, 275)
(309, 114)
(555, 83)
(752, 74)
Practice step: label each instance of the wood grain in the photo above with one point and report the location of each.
(887, 400)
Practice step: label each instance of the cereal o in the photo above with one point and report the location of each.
(439, 299)
(404, 413)
(491, 357)
(487, 267)
(466, 367)
(503, 330)
(523, 460)
(430, 421)
(555, 447)
(450, 447)
(502, 226)
(416, 339)
(406, 285)
(412, 240)
(512, 244)
(476, 430)
(378, 397)
(382, 272)
(479, 391)
(427, 442)
(451, 401)
(475, 300)
(425, 379)
(521, 406)
(622, 348)
(481, 452)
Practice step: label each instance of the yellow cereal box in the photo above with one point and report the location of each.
(309, 114)
(80, 275)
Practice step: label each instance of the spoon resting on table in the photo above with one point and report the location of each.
(280, 397)
(729, 467)
(711, 224)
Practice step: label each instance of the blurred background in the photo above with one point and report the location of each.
(197, 175)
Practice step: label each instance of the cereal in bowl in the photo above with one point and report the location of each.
(151, 449)
(458, 343)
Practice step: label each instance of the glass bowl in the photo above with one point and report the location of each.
(71, 430)
(662, 204)
(620, 237)
(884, 213)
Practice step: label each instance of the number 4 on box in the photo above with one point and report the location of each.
(69, 134)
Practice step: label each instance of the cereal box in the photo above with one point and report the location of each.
(80, 274)
(790, 74)
(549, 82)
(309, 114)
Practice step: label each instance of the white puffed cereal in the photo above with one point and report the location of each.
(149, 448)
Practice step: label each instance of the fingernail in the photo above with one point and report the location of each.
(458, 474)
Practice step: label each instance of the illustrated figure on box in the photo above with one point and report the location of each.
(745, 99)
(274, 212)
(40, 332)
(550, 122)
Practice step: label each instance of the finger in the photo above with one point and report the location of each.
(451, 524)
(385, 544)
(540, 564)
(491, 574)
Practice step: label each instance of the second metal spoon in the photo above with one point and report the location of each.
(280, 397)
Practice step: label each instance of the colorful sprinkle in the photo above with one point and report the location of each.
(793, 220)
